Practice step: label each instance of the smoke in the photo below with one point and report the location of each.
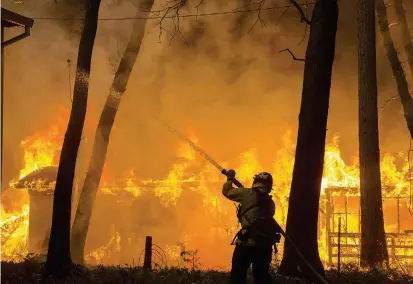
(220, 79)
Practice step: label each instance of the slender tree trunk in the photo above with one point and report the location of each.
(58, 256)
(373, 242)
(401, 15)
(101, 142)
(302, 216)
(396, 66)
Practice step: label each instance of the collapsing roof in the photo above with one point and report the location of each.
(46, 174)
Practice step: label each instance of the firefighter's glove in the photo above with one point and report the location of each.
(230, 174)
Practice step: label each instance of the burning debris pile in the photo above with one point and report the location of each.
(135, 206)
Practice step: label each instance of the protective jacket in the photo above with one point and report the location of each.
(255, 215)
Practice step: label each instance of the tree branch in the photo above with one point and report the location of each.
(300, 10)
(292, 55)
(172, 7)
(306, 26)
(282, 14)
(259, 19)
(69, 65)
(387, 102)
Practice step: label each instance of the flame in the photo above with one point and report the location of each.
(282, 176)
(336, 172)
(131, 186)
(249, 166)
(14, 233)
(105, 251)
(173, 252)
(42, 149)
(170, 190)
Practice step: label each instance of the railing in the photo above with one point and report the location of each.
(347, 246)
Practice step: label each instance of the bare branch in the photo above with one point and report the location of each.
(199, 4)
(387, 102)
(172, 11)
(300, 10)
(306, 26)
(69, 64)
(283, 13)
(248, 5)
(172, 7)
(292, 55)
(197, 8)
(304, 36)
(259, 19)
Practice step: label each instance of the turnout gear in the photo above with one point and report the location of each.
(255, 212)
(230, 175)
(258, 226)
(243, 257)
(259, 231)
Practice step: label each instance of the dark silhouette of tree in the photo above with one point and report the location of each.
(58, 256)
(401, 16)
(101, 142)
(373, 242)
(391, 52)
(309, 156)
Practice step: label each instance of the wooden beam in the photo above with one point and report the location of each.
(147, 263)
(11, 19)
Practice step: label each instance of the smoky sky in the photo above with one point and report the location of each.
(220, 79)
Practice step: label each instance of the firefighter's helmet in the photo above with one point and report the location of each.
(265, 179)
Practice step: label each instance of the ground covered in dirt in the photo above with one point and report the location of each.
(33, 272)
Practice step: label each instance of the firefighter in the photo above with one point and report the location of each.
(258, 234)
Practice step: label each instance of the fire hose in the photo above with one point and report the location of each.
(239, 184)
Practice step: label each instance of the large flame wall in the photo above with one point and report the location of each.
(186, 208)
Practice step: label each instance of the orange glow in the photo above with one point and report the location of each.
(43, 148)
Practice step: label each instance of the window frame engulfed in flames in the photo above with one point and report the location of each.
(332, 237)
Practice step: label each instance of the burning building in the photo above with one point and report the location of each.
(39, 185)
(341, 220)
(128, 209)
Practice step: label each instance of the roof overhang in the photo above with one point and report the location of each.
(11, 19)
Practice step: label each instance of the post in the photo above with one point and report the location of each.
(346, 216)
(339, 246)
(1, 101)
(328, 230)
(398, 214)
(147, 264)
(393, 249)
(333, 213)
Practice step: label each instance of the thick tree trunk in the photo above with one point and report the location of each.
(396, 66)
(58, 256)
(401, 15)
(101, 143)
(309, 157)
(373, 242)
